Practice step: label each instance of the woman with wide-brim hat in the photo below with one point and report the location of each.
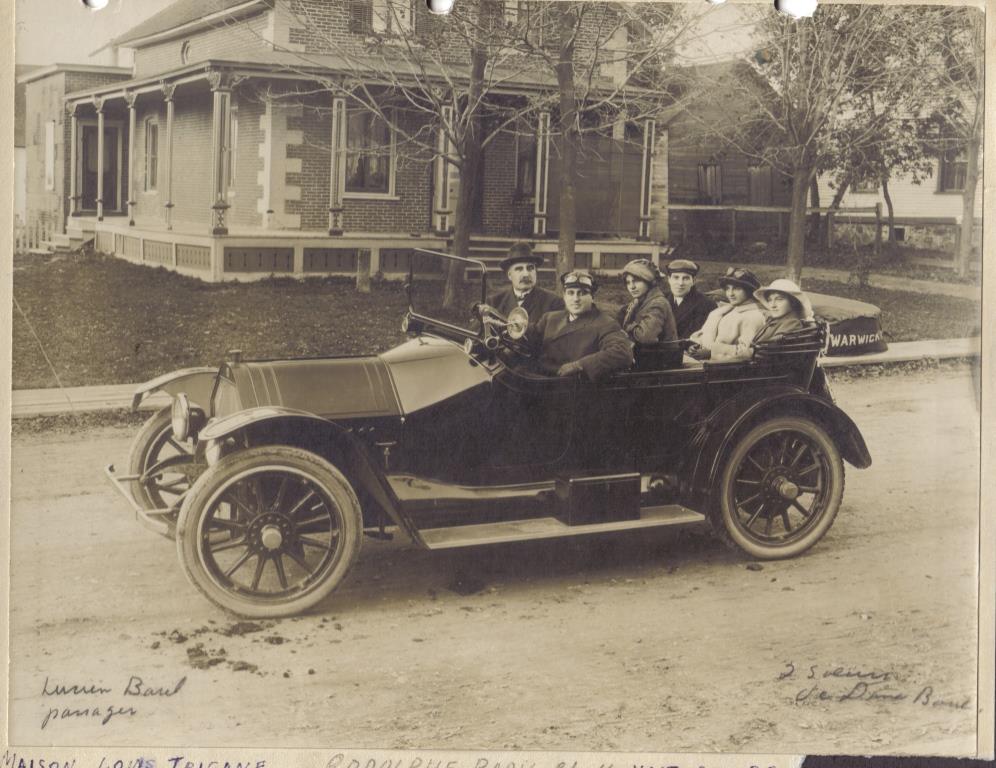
(731, 327)
(647, 318)
(787, 307)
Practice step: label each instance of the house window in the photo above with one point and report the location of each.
(50, 155)
(384, 17)
(710, 183)
(369, 154)
(151, 154)
(525, 164)
(951, 175)
(759, 191)
(866, 186)
(529, 16)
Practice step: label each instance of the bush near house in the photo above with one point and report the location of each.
(104, 321)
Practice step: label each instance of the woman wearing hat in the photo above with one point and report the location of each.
(730, 328)
(787, 307)
(648, 317)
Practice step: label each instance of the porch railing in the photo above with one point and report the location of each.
(38, 228)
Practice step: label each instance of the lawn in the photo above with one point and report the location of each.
(105, 321)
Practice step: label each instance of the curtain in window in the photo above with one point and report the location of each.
(368, 153)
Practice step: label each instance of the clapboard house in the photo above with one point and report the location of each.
(224, 154)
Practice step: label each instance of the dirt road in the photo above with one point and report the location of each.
(649, 642)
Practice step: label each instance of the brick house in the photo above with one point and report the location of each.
(220, 154)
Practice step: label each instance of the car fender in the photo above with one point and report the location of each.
(359, 466)
(722, 427)
(198, 383)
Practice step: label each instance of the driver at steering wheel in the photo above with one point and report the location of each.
(580, 339)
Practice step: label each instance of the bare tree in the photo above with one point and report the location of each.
(611, 65)
(443, 85)
(812, 81)
(956, 78)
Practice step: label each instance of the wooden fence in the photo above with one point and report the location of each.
(781, 216)
(29, 235)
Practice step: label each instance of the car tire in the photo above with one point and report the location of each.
(241, 522)
(785, 470)
(150, 447)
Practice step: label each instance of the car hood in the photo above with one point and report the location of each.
(413, 376)
(341, 387)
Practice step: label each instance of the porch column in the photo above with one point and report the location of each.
(649, 142)
(542, 173)
(221, 89)
(98, 104)
(168, 91)
(337, 149)
(130, 97)
(441, 203)
(73, 157)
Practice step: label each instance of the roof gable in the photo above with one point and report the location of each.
(180, 14)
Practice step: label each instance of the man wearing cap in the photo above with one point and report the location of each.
(581, 338)
(520, 265)
(690, 307)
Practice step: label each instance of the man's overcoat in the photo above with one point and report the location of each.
(594, 340)
(691, 314)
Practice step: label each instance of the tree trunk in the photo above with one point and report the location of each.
(964, 256)
(797, 224)
(815, 219)
(569, 137)
(838, 196)
(469, 151)
(892, 213)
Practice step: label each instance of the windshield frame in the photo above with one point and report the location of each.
(435, 322)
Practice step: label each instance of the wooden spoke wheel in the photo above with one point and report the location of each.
(780, 489)
(269, 532)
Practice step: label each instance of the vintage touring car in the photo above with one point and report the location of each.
(268, 473)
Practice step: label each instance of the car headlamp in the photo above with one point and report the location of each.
(405, 321)
(180, 417)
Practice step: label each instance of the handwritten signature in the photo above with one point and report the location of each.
(847, 683)
(103, 711)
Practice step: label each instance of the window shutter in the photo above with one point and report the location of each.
(360, 16)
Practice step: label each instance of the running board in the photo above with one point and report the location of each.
(550, 528)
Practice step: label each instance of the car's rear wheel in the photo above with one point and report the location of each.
(780, 489)
(165, 467)
(269, 531)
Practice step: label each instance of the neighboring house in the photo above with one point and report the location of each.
(198, 159)
(703, 170)
(20, 144)
(925, 213)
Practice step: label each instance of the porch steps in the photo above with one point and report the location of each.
(550, 528)
(57, 243)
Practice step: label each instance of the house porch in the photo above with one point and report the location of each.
(246, 253)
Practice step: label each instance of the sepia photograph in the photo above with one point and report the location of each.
(504, 375)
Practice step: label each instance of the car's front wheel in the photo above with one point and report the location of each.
(780, 488)
(269, 531)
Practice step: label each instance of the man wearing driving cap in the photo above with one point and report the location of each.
(581, 338)
(520, 266)
(690, 307)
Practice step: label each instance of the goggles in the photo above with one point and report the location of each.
(578, 280)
